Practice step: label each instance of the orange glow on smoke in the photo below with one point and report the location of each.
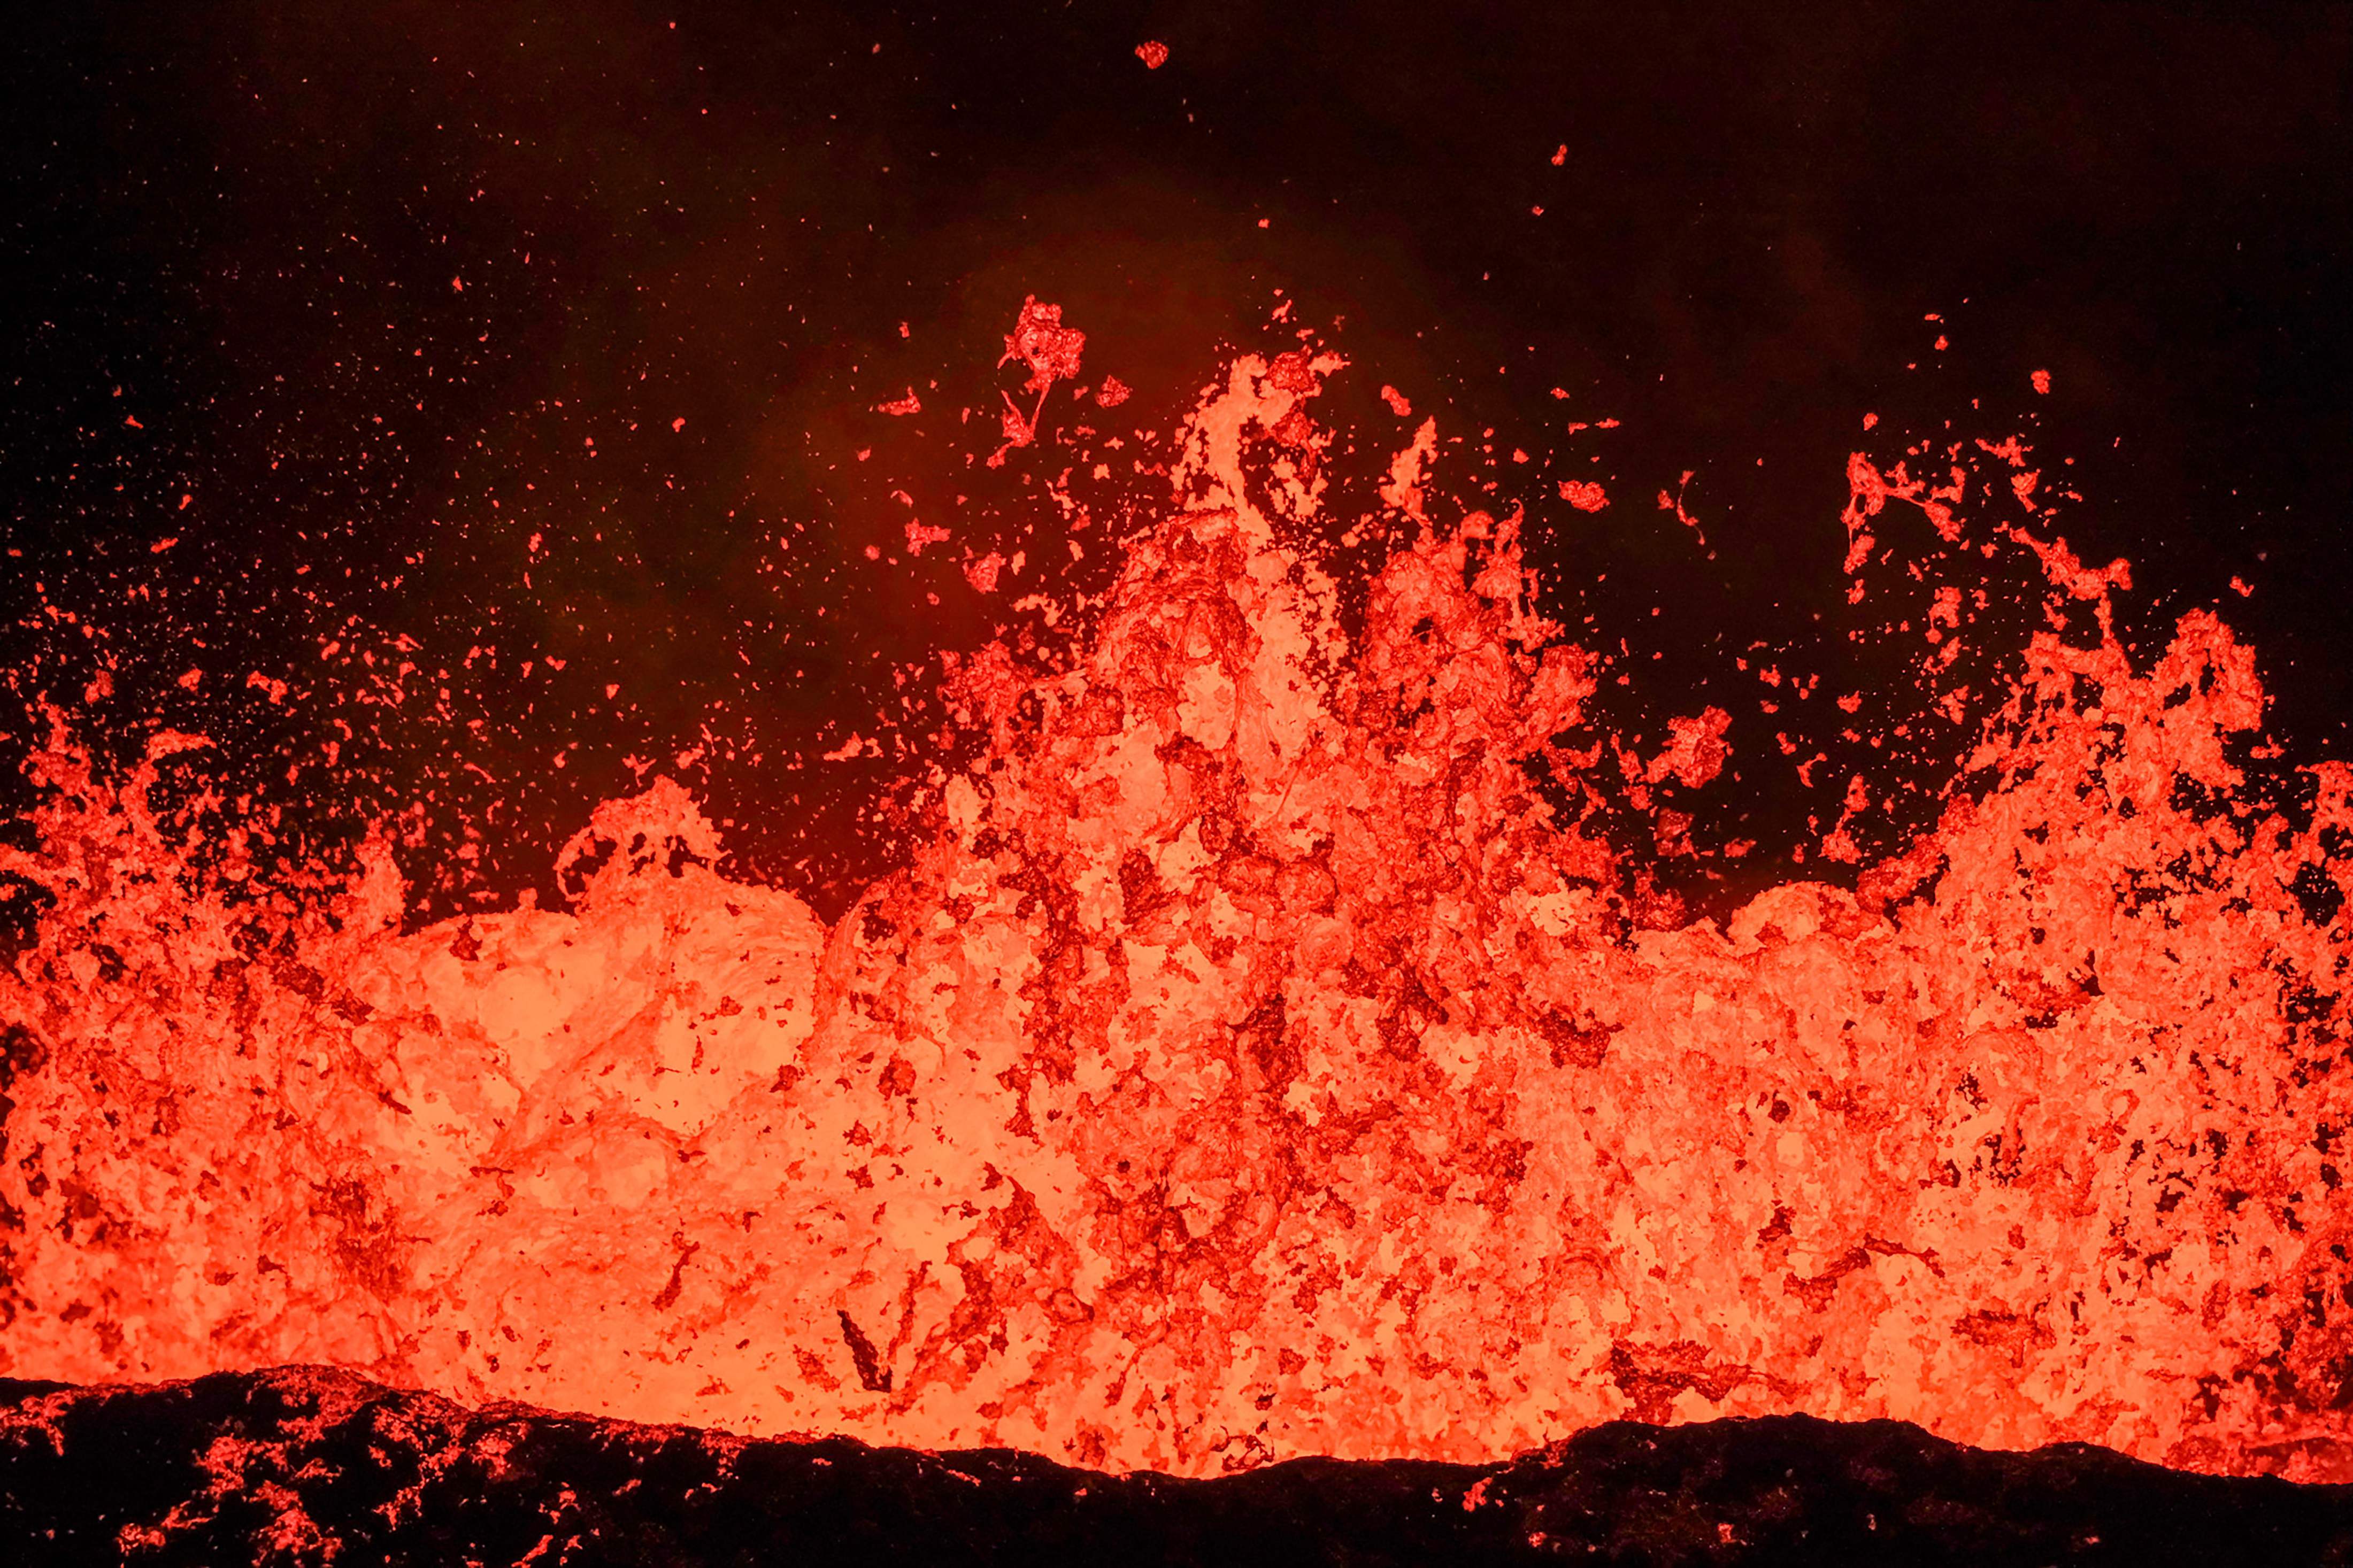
(1250, 1064)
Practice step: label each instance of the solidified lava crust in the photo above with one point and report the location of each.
(1251, 1063)
(306, 1465)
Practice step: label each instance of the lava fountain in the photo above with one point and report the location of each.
(1256, 1058)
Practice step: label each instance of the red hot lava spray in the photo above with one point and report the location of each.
(1253, 1061)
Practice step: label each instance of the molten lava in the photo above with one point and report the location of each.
(1251, 1063)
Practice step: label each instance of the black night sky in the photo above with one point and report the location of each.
(351, 303)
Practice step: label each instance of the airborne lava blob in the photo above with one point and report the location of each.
(1250, 1063)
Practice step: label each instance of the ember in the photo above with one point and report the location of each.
(1584, 495)
(1050, 350)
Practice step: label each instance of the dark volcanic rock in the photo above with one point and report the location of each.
(304, 1465)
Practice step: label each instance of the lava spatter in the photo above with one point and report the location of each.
(1251, 1062)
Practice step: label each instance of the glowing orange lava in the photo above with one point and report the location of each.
(1250, 1064)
